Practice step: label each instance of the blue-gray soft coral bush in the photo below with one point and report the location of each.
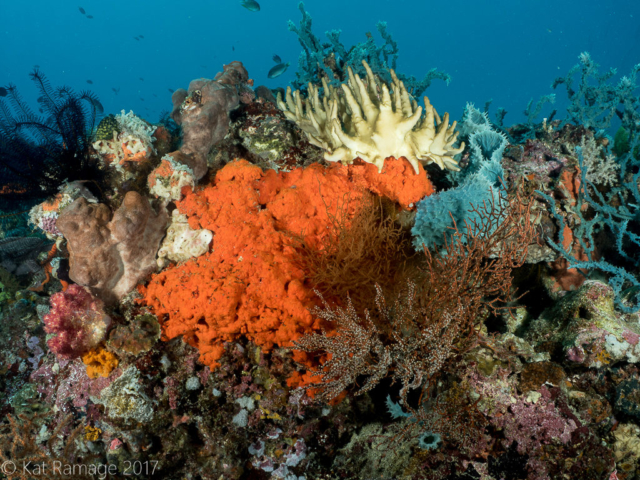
(481, 181)
(620, 221)
(594, 101)
(331, 59)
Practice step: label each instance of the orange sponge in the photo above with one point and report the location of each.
(248, 285)
(99, 362)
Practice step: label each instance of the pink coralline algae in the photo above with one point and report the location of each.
(69, 386)
(78, 321)
(532, 425)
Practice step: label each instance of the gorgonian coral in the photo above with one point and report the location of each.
(371, 120)
(249, 285)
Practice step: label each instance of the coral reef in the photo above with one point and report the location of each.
(168, 178)
(283, 323)
(371, 126)
(248, 284)
(132, 140)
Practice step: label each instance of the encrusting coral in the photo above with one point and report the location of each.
(373, 121)
(168, 178)
(182, 242)
(249, 285)
(131, 141)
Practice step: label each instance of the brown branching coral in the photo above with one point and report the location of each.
(24, 458)
(435, 319)
(364, 251)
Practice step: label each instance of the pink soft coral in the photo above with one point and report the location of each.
(78, 320)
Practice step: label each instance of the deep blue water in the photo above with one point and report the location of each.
(506, 50)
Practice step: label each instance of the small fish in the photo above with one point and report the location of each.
(141, 79)
(96, 103)
(90, 82)
(82, 10)
(155, 95)
(233, 49)
(142, 99)
(278, 70)
(89, 16)
(3, 92)
(115, 90)
(251, 5)
(141, 36)
(277, 59)
(170, 90)
(137, 38)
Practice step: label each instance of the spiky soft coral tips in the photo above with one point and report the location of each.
(371, 120)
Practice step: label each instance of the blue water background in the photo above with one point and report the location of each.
(505, 50)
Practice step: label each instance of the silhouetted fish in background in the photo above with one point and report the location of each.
(251, 5)
(89, 16)
(233, 49)
(170, 90)
(141, 79)
(90, 82)
(96, 103)
(155, 95)
(141, 36)
(115, 90)
(277, 59)
(82, 10)
(278, 70)
(3, 92)
(137, 38)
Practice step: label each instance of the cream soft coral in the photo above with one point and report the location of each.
(372, 121)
